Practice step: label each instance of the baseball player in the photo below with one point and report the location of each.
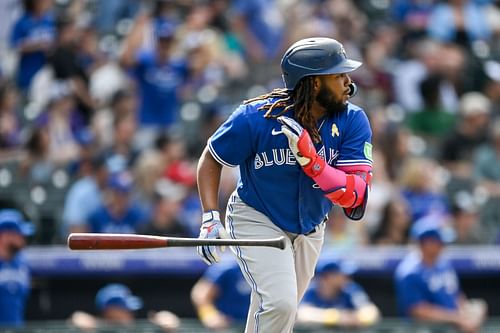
(428, 287)
(300, 149)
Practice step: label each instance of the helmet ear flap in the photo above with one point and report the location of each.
(353, 89)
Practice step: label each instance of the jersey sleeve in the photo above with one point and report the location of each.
(216, 274)
(356, 148)
(17, 34)
(231, 144)
(357, 296)
(409, 293)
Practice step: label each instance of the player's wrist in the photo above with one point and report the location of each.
(331, 317)
(210, 215)
(206, 312)
(315, 167)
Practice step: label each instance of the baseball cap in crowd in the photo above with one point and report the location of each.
(118, 295)
(13, 220)
(431, 227)
(474, 103)
(336, 266)
(164, 29)
(121, 181)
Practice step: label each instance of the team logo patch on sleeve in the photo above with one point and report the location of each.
(368, 150)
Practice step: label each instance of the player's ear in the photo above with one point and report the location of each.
(316, 83)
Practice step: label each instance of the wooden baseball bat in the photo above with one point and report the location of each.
(95, 241)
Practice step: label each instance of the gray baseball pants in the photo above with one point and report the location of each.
(278, 278)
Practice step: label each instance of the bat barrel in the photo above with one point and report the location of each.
(89, 241)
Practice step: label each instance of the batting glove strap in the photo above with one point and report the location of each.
(211, 215)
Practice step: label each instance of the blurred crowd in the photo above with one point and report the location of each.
(105, 105)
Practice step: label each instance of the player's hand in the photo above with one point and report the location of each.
(211, 228)
(302, 147)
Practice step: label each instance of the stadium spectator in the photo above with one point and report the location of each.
(62, 122)
(334, 299)
(221, 296)
(158, 74)
(67, 64)
(122, 152)
(36, 165)
(165, 211)
(432, 121)
(88, 190)
(117, 213)
(32, 36)
(458, 21)
(428, 57)
(487, 175)
(469, 133)
(15, 278)
(466, 221)
(342, 236)
(394, 225)
(10, 125)
(427, 286)
(116, 306)
(412, 17)
(382, 189)
(421, 187)
(123, 102)
(259, 26)
(109, 13)
(148, 170)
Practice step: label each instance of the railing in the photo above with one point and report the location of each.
(388, 325)
(58, 261)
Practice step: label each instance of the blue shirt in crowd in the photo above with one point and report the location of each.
(265, 22)
(102, 221)
(14, 290)
(351, 297)
(159, 83)
(30, 29)
(417, 283)
(234, 292)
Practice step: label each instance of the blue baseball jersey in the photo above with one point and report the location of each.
(32, 30)
(351, 297)
(271, 180)
(14, 290)
(158, 85)
(417, 283)
(234, 292)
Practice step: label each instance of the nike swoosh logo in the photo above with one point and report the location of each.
(276, 132)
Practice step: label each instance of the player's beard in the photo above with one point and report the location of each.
(327, 100)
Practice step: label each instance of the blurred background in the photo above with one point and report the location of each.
(105, 106)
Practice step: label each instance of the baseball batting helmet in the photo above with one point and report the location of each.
(315, 56)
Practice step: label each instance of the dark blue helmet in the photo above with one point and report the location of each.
(315, 56)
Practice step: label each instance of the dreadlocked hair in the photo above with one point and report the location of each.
(300, 99)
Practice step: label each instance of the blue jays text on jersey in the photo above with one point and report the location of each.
(271, 181)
